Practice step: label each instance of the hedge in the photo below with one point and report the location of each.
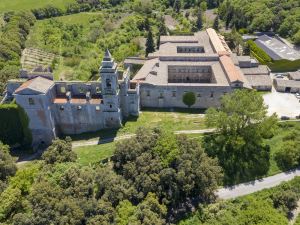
(259, 51)
(14, 127)
(282, 65)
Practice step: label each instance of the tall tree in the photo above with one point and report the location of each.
(7, 165)
(60, 151)
(241, 123)
(199, 21)
(216, 23)
(177, 6)
(149, 43)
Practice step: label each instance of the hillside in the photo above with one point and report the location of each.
(282, 17)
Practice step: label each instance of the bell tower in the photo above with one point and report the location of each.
(109, 83)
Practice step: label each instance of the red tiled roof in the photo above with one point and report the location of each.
(231, 71)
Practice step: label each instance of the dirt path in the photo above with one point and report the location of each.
(295, 213)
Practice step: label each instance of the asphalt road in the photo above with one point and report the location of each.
(257, 185)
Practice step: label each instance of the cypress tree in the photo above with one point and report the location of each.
(216, 23)
(149, 43)
(177, 5)
(199, 22)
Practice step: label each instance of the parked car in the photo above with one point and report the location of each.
(279, 76)
(284, 118)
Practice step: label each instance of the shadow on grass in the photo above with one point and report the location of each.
(109, 134)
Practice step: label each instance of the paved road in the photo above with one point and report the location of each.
(257, 185)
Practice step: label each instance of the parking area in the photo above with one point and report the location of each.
(283, 104)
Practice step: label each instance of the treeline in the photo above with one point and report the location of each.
(154, 178)
(271, 206)
(12, 42)
(71, 8)
(271, 15)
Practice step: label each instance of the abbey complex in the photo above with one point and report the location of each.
(202, 64)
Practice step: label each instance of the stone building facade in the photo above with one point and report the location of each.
(73, 107)
(203, 64)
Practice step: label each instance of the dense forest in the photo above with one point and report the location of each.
(280, 16)
(153, 178)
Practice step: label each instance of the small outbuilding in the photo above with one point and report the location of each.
(291, 86)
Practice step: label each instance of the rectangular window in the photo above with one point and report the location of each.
(61, 107)
(98, 90)
(212, 94)
(161, 95)
(148, 93)
(81, 90)
(173, 93)
(31, 101)
(198, 95)
(97, 108)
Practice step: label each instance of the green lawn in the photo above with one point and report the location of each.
(276, 141)
(180, 119)
(94, 153)
(17, 5)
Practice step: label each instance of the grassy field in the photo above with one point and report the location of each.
(275, 144)
(181, 119)
(17, 5)
(94, 153)
(88, 155)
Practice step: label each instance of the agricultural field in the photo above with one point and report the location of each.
(17, 5)
(32, 58)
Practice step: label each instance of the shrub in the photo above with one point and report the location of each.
(289, 155)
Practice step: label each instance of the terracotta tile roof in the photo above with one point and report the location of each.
(95, 101)
(78, 101)
(216, 42)
(231, 71)
(38, 84)
(60, 101)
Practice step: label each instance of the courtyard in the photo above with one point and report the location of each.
(283, 104)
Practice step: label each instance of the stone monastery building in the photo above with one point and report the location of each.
(201, 63)
(72, 107)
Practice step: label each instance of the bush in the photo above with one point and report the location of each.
(189, 99)
(289, 155)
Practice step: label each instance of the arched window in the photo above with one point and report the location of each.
(108, 83)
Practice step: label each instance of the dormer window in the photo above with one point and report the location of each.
(61, 107)
(79, 107)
